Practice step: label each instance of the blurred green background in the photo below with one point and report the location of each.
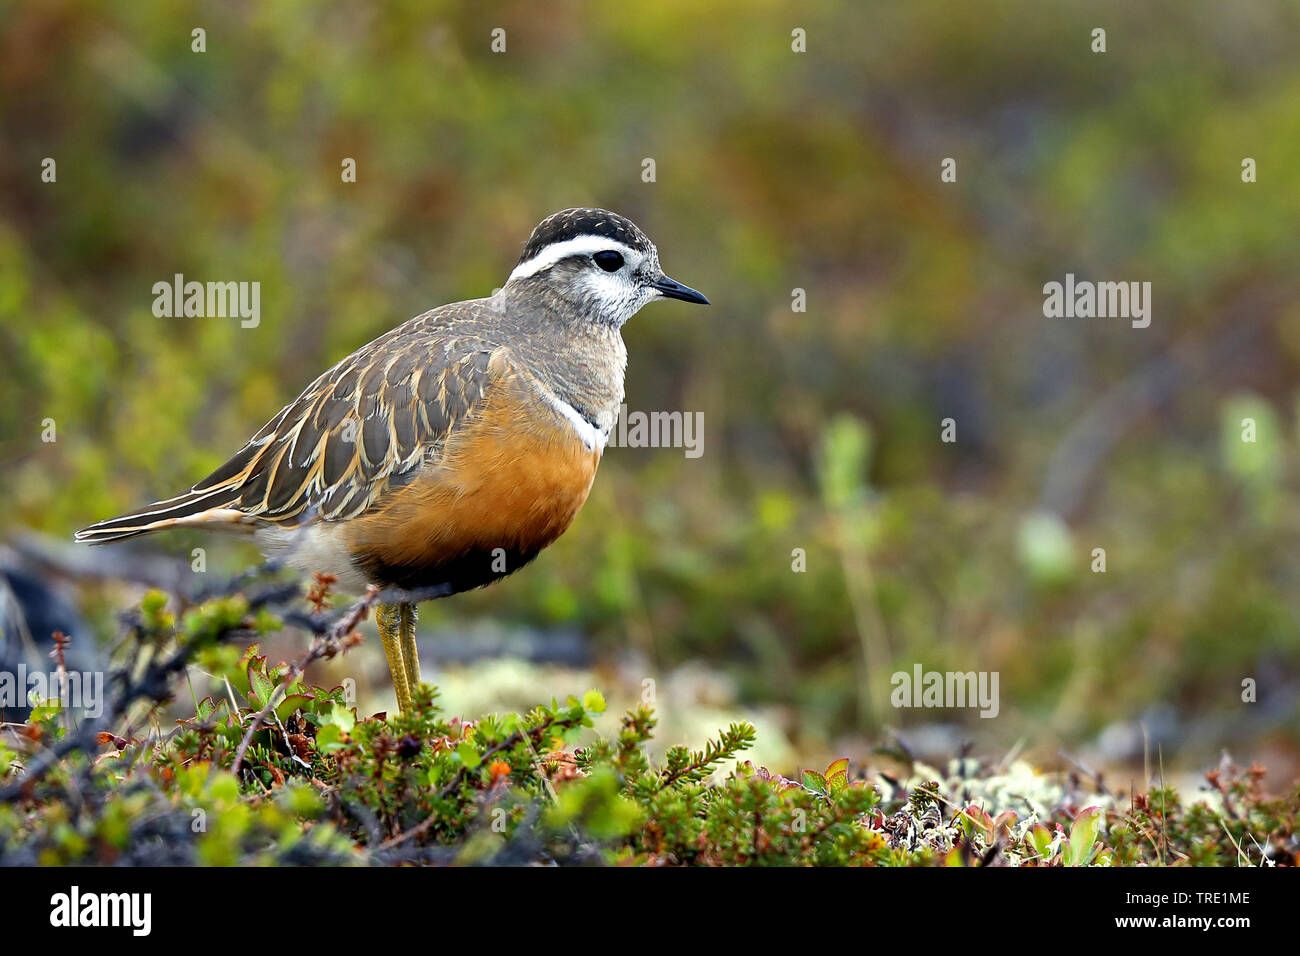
(775, 170)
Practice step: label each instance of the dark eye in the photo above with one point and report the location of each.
(609, 260)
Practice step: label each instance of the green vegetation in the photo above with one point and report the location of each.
(279, 771)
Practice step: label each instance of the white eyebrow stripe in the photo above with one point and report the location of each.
(577, 246)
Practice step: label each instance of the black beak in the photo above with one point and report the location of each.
(672, 289)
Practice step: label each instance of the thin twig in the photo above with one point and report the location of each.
(326, 645)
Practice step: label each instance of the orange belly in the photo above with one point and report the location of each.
(500, 493)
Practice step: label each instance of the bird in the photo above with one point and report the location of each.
(450, 451)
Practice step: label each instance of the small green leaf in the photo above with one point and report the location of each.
(814, 781)
(342, 718)
(593, 701)
(260, 685)
(468, 755)
(1083, 835)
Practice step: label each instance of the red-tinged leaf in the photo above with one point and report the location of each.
(1041, 839)
(285, 709)
(837, 775)
(1083, 835)
(976, 818)
(239, 676)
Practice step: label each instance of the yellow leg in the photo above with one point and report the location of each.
(410, 654)
(388, 617)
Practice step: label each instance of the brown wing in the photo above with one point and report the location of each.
(362, 426)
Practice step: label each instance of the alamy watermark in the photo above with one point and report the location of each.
(133, 911)
(83, 690)
(683, 430)
(1082, 299)
(209, 300)
(922, 688)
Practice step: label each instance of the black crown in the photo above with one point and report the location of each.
(570, 223)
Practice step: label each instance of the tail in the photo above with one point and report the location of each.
(206, 508)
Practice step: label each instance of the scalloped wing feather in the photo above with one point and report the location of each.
(365, 424)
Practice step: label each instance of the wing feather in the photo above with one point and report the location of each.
(362, 425)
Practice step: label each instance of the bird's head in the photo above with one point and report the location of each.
(597, 263)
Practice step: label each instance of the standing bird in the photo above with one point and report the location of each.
(451, 450)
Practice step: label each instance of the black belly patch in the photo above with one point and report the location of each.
(472, 570)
